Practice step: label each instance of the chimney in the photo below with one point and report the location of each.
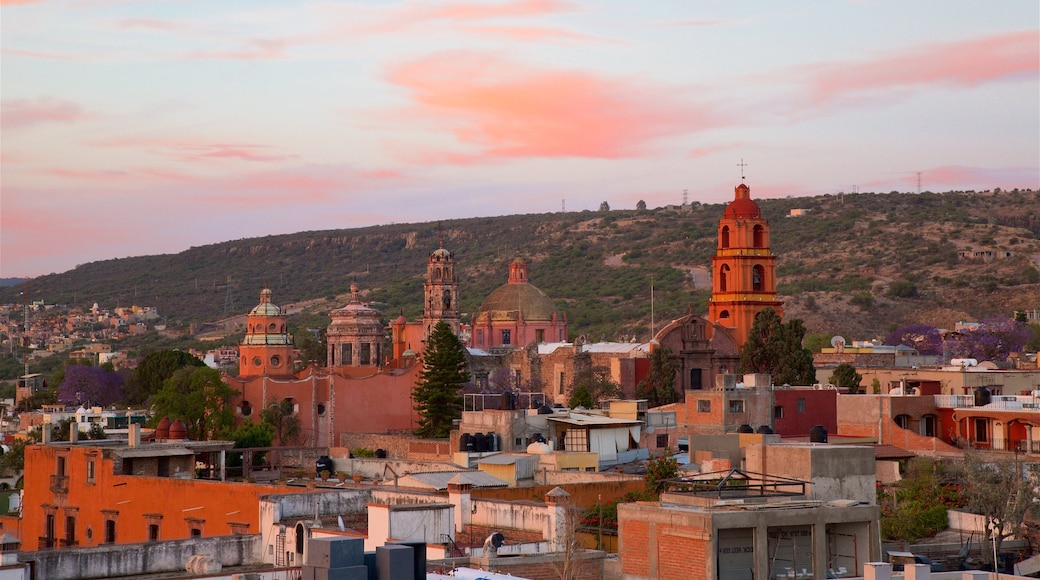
(135, 435)
(459, 496)
(74, 433)
(45, 430)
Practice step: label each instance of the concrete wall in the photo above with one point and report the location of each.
(141, 559)
(506, 515)
(835, 471)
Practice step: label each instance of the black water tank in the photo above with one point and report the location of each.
(982, 397)
(324, 463)
(764, 430)
(479, 443)
(470, 444)
(492, 441)
(463, 441)
(745, 428)
(543, 410)
(818, 434)
(381, 453)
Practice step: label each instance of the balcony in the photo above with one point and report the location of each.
(47, 543)
(60, 483)
(67, 543)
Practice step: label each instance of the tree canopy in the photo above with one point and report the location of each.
(659, 385)
(154, 369)
(925, 339)
(444, 373)
(591, 386)
(198, 397)
(282, 419)
(775, 348)
(846, 377)
(994, 339)
(89, 385)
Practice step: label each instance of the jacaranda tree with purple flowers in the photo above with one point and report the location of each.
(88, 385)
(925, 339)
(993, 340)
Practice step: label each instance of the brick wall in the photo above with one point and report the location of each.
(634, 548)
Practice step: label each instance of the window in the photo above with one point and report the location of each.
(153, 532)
(778, 412)
(759, 237)
(703, 406)
(723, 274)
(662, 440)
(902, 421)
(272, 327)
(757, 274)
(801, 405)
(70, 530)
(257, 361)
(517, 377)
(346, 356)
(562, 377)
(981, 430)
(725, 236)
(506, 337)
(91, 466)
(480, 338)
(539, 335)
(365, 354)
(736, 406)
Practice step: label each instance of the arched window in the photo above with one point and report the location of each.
(723, 275)
(757, 274)
(724, 236)
(759, 237)
(437, 274)
(724, 315)
(903, 421)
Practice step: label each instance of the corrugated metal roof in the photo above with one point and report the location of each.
(587, 420)
(438, 480)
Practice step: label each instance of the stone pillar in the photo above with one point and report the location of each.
(134, 435)
(74, 432)
(45, 431)
(761, 552)
(459, 496)
(877, 571)
(557, 504)
(917, 572)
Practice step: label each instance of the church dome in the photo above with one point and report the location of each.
(266, 307)
(440, 254)
(355, 309)
(742, 205)
(507, 301)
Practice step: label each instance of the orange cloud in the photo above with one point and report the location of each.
(22, 113)
(968, 63)
(13, 2)
(254, 49)
(508, 110)
(196, 151)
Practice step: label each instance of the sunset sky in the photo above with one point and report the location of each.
(133, 127)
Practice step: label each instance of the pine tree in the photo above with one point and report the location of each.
(775, 348)
(436, 394)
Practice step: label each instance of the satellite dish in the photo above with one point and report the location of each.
(837, 341)
(649, 429)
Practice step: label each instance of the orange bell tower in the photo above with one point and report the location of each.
(743, 267)
(267, 348)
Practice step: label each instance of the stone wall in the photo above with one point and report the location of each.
(141, 559)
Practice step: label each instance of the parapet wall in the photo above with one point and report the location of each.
(132, 560)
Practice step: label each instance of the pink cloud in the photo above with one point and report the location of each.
(968, 63)
(148, 24)
(254, 49)
(22, 113)
(705, 151)
(201, 151)
(13, 2)
(414, 13)
(506, 109)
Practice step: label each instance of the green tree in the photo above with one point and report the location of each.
(444, 373)
(875, 386)
(659, 385)
(604, 206)
(198, 397)
(775, 348)
(846, 377)
(284, 423)
(641, 205)
(14, 459)
(249, 435)
(817, 341)
(1000, 489)
(597, 382)
(658, 470)
(313, 349)
(580, 397)
(155, 368)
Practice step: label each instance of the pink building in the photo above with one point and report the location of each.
(517, 314)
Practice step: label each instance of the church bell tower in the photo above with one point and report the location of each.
(743, 268)
(441, 292)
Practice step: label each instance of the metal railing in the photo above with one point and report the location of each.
(60, 483)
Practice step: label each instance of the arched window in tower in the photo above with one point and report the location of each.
(724, 237)
(447, 299)
(757, 274)
(437, 274)
(723, 275)
(724, 315)
(759, 237)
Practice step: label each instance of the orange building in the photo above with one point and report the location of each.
(267, 348)
(109, 492)
(743, 268)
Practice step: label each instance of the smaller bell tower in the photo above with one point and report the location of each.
(441, 292)
(267, 349)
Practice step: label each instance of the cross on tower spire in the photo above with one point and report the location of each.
(742, 165)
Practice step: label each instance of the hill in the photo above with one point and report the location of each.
(855, 264)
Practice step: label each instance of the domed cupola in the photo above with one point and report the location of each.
(355, 335)
(267, 348)
(517, 314)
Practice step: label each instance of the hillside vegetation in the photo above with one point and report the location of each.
(854, 265)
